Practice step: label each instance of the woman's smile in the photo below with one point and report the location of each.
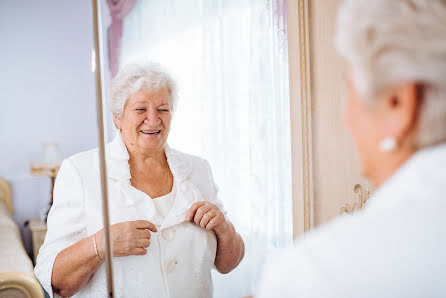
(150, 132)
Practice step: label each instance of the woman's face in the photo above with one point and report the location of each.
(145, 121)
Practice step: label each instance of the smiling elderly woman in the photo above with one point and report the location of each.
(168, 226)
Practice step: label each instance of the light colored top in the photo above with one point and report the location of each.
(181, 254)
(394, 247)
(164, 203)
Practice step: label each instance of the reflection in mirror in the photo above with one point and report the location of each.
(224, 63)
(213, 110)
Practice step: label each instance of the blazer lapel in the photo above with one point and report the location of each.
(187, 193)
(123, 195)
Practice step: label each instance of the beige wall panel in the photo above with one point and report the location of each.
(333, 164)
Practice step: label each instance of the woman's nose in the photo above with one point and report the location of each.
(152, 118)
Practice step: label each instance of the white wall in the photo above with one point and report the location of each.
(47, 92)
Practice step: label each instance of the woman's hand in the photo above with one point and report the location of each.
(208, 216)
(129, 238)
(230, 246)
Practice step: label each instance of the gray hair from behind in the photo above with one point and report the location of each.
(132, 77)
(390, 42)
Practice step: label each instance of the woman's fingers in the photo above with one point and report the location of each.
(193, 209)
(201, 212)
(144, 234)
(143, 243)
(208, 216)
(132, 237)
(140, 251)
(215, 221)
(145, 224)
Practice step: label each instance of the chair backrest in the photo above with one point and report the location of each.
(13, 292)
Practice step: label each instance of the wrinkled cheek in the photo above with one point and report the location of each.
(166, 132)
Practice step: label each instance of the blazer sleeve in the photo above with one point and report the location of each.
(66, 222)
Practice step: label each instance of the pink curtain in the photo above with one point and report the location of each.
(280, 15)
(118, 10)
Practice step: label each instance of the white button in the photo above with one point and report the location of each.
(169, 265)
(168, 234)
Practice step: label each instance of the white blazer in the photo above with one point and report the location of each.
(181, 254)
(394, 247)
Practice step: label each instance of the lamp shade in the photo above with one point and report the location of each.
(52, 155)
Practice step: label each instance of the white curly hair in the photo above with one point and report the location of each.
(389, 42)
(132, 77)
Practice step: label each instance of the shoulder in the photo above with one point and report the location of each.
(195, 169)
(85, 157)
(194, 160)
(196, 164)
(82, 163)
(291, 273)
(313, 260)
(363, 244)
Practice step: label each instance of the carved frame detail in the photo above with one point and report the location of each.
(363, 196)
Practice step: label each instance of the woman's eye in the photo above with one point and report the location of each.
(141, 109)
(163, 110)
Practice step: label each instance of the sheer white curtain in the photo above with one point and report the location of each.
(230, 59)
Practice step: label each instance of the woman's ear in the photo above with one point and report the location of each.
(401, 109)
(117, 122)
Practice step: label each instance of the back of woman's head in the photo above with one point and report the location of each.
(390, 42)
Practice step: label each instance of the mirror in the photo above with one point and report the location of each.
(229, 61)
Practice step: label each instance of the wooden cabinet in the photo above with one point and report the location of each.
(38, 232)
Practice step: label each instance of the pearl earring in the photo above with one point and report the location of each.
(387, 144)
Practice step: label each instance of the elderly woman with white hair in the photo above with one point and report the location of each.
(168, 229)
(396, 113)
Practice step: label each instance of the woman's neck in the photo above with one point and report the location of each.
(155, 160)
(150, 173)
(388, 166)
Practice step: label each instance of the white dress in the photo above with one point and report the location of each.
(181, 255)
(395, 247)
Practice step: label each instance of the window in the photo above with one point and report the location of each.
(230, 60)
